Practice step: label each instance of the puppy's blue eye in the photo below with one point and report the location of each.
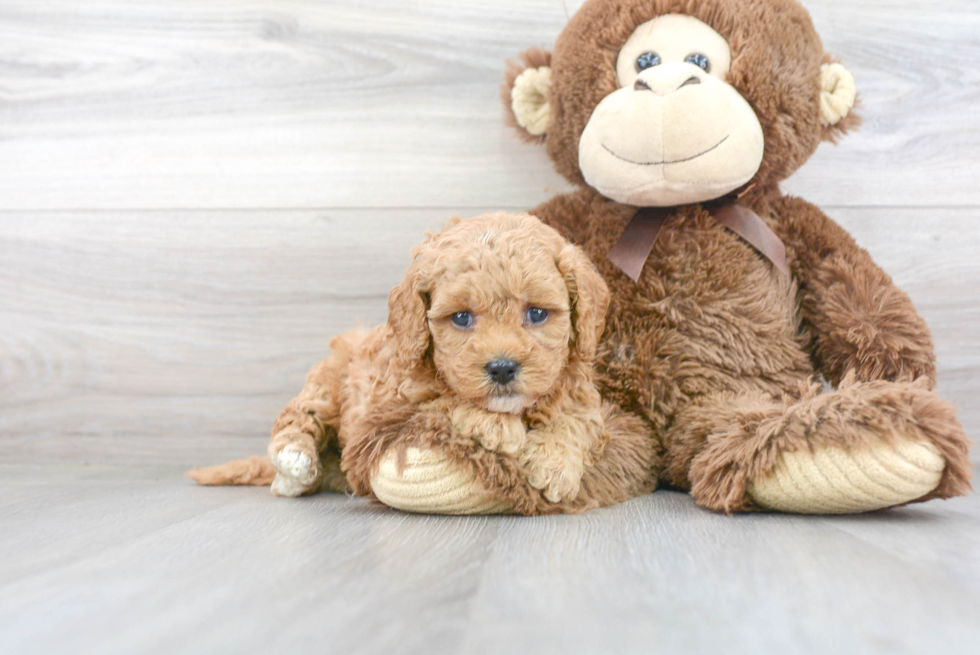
(700, 61)
(462, 319)
(647, 60)
(537, 316)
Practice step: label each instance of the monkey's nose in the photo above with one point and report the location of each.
(642, 85)
(503, 371)
(670, 78)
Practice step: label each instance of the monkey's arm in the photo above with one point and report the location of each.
(855, 316)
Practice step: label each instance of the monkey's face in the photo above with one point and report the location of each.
(669, 102)
(675, 131)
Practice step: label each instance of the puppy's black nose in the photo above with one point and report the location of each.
(503, 371)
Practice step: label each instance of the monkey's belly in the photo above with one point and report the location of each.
(724, 319)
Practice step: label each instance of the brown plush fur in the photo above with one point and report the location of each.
(714, 349)
(419, 379)
(762, 34)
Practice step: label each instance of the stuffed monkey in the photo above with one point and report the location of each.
(677, 120)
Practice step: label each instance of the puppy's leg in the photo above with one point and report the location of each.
(307, 428)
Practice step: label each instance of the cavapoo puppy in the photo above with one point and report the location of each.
(491, 335)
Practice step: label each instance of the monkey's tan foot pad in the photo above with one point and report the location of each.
(835, 481)
(431, 483)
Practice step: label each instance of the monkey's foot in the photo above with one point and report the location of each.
(431, 483)
(833, 480)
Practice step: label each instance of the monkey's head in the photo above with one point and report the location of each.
(656, 103)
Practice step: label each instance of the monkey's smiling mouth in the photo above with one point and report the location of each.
(660, 163)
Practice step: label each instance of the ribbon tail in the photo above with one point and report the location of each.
(633, 248)
(747, 224)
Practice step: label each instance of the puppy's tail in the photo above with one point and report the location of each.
(255, 471)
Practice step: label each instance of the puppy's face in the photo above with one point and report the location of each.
(500, 322)
(500, 307)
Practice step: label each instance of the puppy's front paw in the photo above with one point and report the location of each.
(297, 472)
(501, 433)
(548, 471)
(555, 485)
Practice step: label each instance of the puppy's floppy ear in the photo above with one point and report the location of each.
(838, 98)
(407, 314)
(526, 94)
(589, 298)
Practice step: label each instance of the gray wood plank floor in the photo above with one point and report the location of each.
(157, 565)
(195, 196)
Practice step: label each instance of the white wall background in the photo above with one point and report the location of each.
(195, 195)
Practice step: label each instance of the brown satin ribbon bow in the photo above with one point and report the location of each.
(631, 252)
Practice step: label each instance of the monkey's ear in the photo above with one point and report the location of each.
(838, 97)
(589, 297)
(526, 91)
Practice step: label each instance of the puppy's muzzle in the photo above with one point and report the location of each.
(503, 371)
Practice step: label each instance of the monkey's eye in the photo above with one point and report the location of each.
(700, 61)
(462, 319)
(537, 316)
(647, 60)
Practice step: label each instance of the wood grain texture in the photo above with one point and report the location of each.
(173, 328)
(393, 103)
(178, 336)
(142, 562)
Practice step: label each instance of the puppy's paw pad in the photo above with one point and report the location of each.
(293, 463)
(288, 487)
